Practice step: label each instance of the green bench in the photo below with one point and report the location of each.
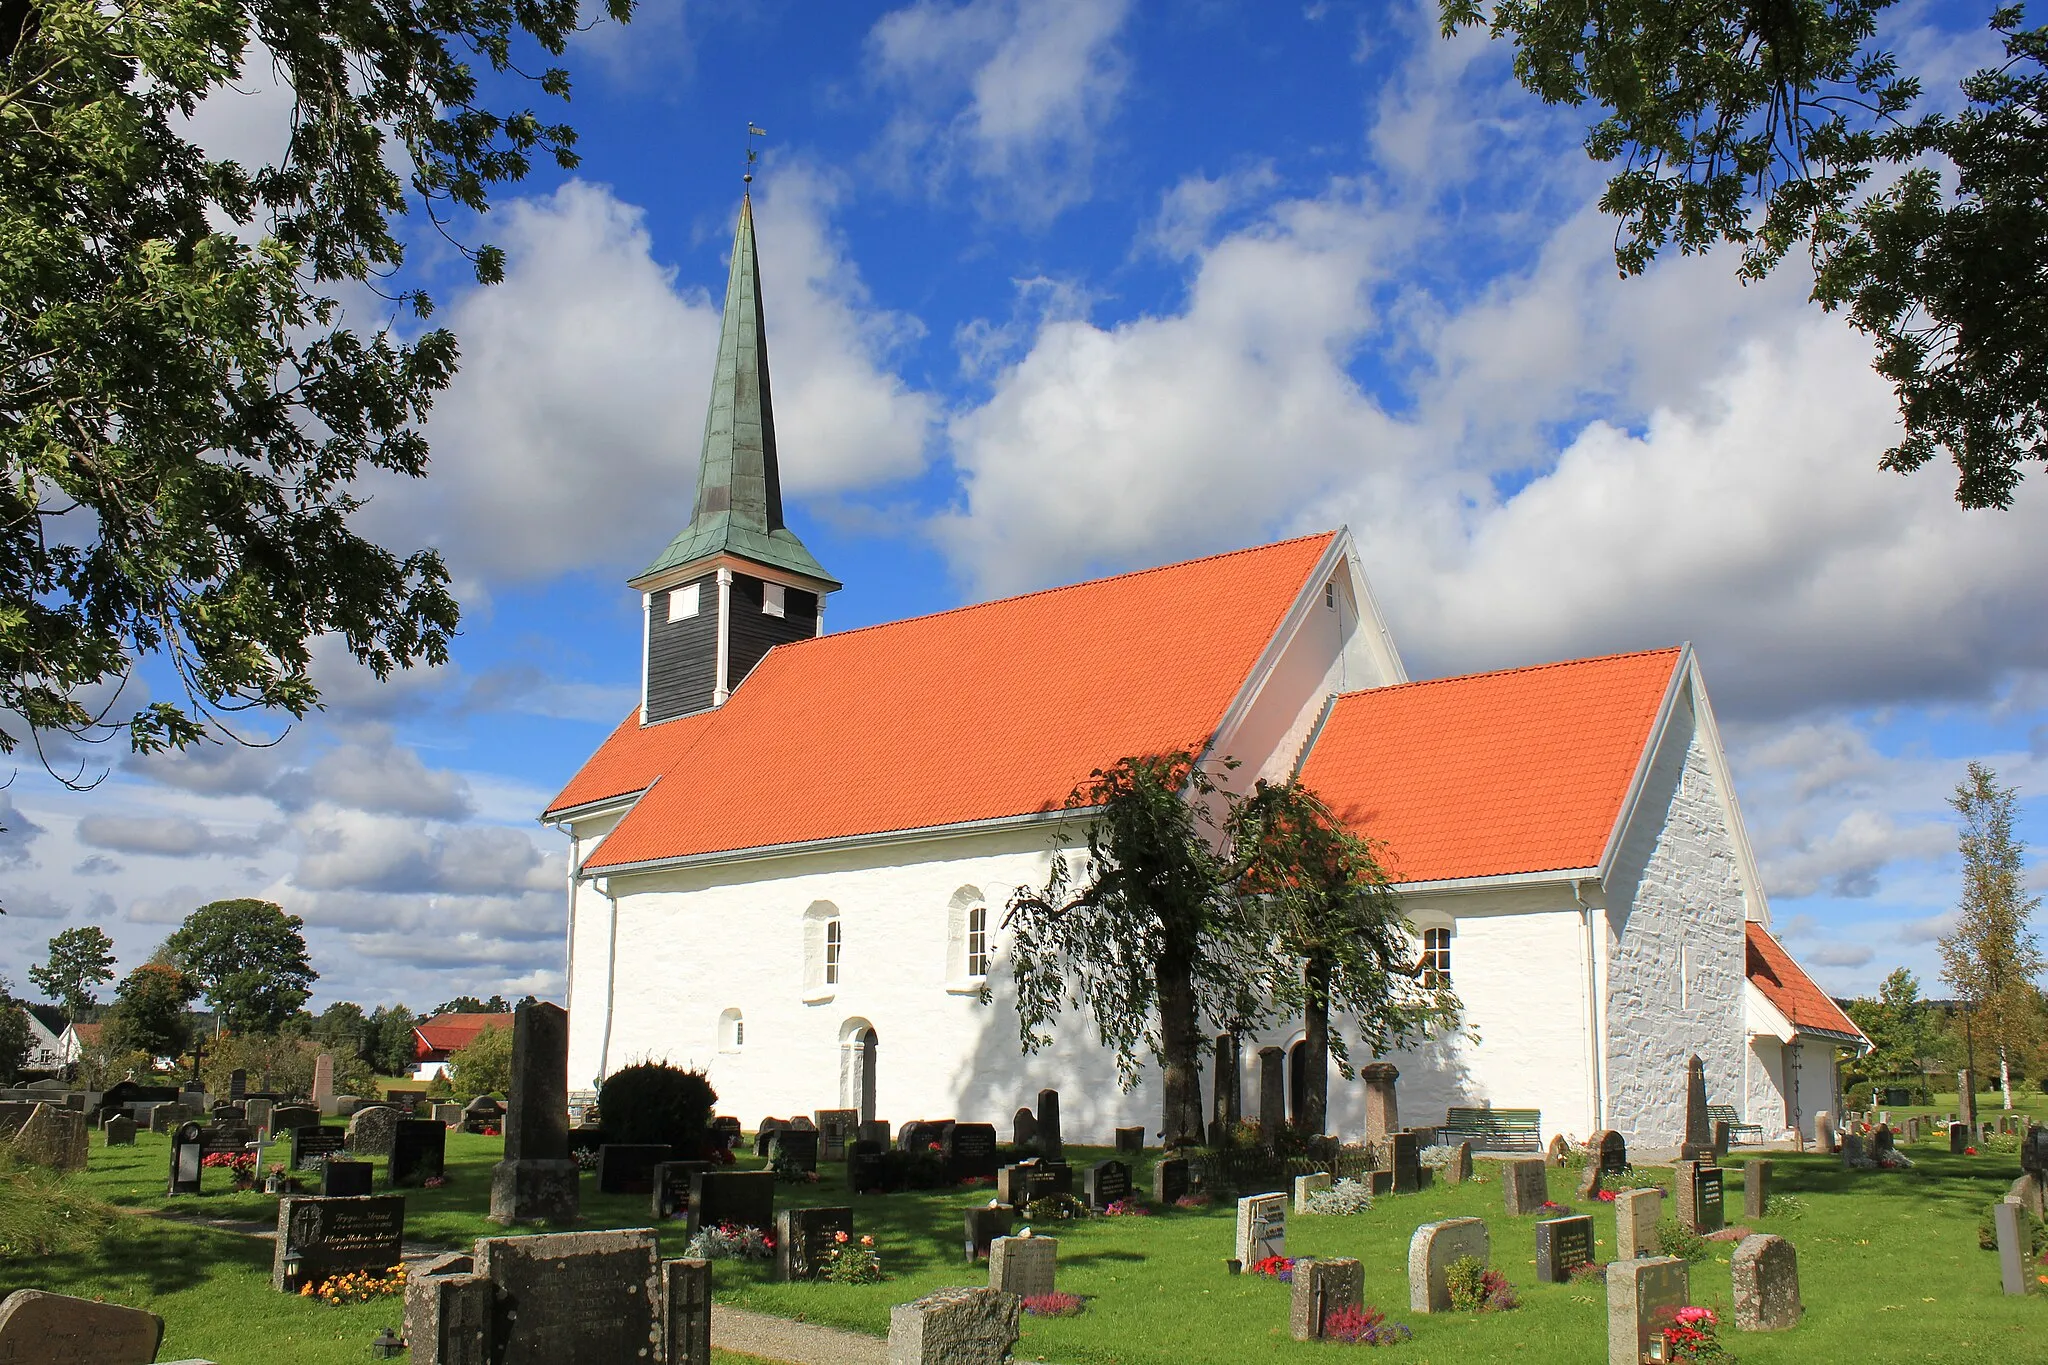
(1493, 1130)
(1738, 1131)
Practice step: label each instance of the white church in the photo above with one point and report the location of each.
(788, 864)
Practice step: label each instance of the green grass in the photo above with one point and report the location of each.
(1890, 1269)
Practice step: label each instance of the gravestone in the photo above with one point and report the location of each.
(120, 1131)
(918, 1135)
(2034, 1150)
(1643, 1298)
(1756, 1188)
(669, 1188)
(165, 1117)
(686, 1311)
(53, 1137)
(1430, 1253)
(764, 1134)
(448, 1313)
(1401, 1155)
(319, 1238)
(483, 1112)
(1525, 1185)
(2030, 1192)
(1562, 1246)
(982, 1226)
(55, 1329)
(1105, 1183)
(1023, 1131)
(590, 1297)
(1702, 1197)
(1323, 1286)
(370, 1130)
(1559, 1151)
(345, 1106)
(1050, 1144)
(741, 1198)
(1852, 1149)
(218, 1138)
(258, 1112)
(1766, 1285)
(188, 1149)
(970, 1150)
(1966, 1097)
(537, 1178)
(1458, 1169)
(2012, 1246)
(835, 1132)
(1636, 1214)
(1227, 1108)
(419, 1152)
(1609, 1151)
(1024, 1266)
(796, 1148)
(1824, 1131)
(317, 1141)
(803, 1124)
(1272, 1095)
(1306, 1185)
(955, 1327)
(1722, 1132)
(1172, 1178)
(725, 1132)
(1018, 1185)
(1382, 1107)
(323, 1083)
(346, 1179)
(1590, 1180)
(868, 1170)
(1261, 1228)
(803, 1237)
(1699, 1128)
(238, 1084)
(286, 1118)
(1881, 1142)
(628, 1167)
(1958, 1138)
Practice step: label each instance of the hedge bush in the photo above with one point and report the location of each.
(652, 1102)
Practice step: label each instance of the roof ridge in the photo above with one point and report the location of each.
(1047, 592)
(1505, 672)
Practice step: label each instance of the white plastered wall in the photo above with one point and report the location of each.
(1675, 950)
(1817, 1078)
(588, 944)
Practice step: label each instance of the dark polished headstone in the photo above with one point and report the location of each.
(1105, 1183)
(318, 1140)
(1562, 1246)
(188, 1150)
(970, 1150)
(741, 1198)
(669, 1189)
(419, 1152)
(319, 1238)
(803, 1237)
(1051, 1144)
(628, 1167)
(983, 1226)
(346, 1179)
(1172, 1178)
(795, 1147)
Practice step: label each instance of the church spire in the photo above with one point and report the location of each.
(738, 510)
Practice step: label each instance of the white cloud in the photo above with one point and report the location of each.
(173, 836)
(1012, 92)
(354, 851)
(17, 832)
(1839, 954)
(372, 772)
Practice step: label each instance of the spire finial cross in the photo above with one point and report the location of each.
(752, 155)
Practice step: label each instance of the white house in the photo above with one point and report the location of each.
(788, 864)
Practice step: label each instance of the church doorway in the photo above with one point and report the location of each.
(858, 1046)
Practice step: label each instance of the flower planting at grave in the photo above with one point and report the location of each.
(1279, 1268)
(1342, 1199)
(1055, 1208)
(1552, 1209)
(729, 1242)
(850, 1261)
(789, 1172)
(243, 1164)
(1126, 1208)
(356, 1286)
(1194, 1201)
(1676, 1239)
(1588, 1271)
(1475, 1288)
(1053, 1305)
(1363, 1326)
(1691, 1336)
(586, 1159)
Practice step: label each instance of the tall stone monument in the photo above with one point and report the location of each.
(1228, 1108)
(538, 1178)
(1966, 1096)
(1699, 1129)
(323, 1083)
(1382, 1112)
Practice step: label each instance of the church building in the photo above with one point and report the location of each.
(788, 864)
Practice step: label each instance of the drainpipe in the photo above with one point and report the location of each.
(1597, 1105)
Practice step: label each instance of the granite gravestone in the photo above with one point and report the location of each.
(120, 1131)
(686, 1311)
(1402, 1156)
(1609, 1152)
(1227, 1108)
(448, 1312)
(2034, 1150)
(1050, 1144)
(1701, 1197)
(318, 1141)
(955, 1327)
(1018, 1185)
(319, 1238)
(764, 1134)
(259, 1112)
(628, 1167)
(1430, 1253)
(1023, 1131)
(868, 1169)
(1272, 1095)
(982, 1227)
(1130, 1141)
(835, 1132)
(795, 1148)
(2013, 1248)
(970, 1150)
(669, 1188)
(1525, 1185)
(588, 1297)
(1382, 1107)
(1323, 1286)
(1024, 1266)
(1643, 1298)
(1261, 1228)
(238, 1084)
(1766, 1285)
(537, 1178)
(804, 1238)
(55, 1329)
(323, 1083)
(188, 1150)
(743, 1199)
(725, 1132)
(419, 1152)
(1699, 1128)
(1172, 1179)
(370, 1130)
(1458, 1169)
(484, 1111)
(1756, 1188)
(1562, 1246)
(287, 1118)
(1106, 1183)
(1958, 1138)
(346, 1179)
(1636, 1214)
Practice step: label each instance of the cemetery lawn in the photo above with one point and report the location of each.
(1889, 1267)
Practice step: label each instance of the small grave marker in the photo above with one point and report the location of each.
(835, 1132)
(797, 1147)
(743, 1198)
(319, 1237)
(1610, 1152)
(187, 1151)
(686, 1311)
(1756, 1188)
(1261, 1227)
(1024, 1266)
(804, 1236)
(1562, 1246)
(1306, 1185)
(1130, 1141)
(1172, 1178)
(1766, 1285)
(120, 1131)
(1105, 1183)
(1636, 1213)
(1050, 1145)
(1402, 1155)
(982, 1226)
(970, 1150)
(1525, 1185)
(1430, 1253)
(669, 1188)
(317, 1141)
(1322, 1287)
(1643, 1298)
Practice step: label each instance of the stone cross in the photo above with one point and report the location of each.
(1766, 1285)
(1382, 1110)
(955, 1327)
(1430, 1253)
(1643, 1298)
(1228, 1108)
(1272, 1095)
(1024, 1266)
(1636, 1213)
(1323, 1287)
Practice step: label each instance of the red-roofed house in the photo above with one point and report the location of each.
(437, 1039)
(789, 862)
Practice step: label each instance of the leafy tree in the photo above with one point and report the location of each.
(1342, 941)
(391, 1048)
(80, 959)
(249, 957)
(1146, 933)
(343, 1028)
(184, 412)
(1899, 1025)
(1991, 957)
(149, 1013)
(484, 1065)
(1766, 126)
(469, 1004)
(13, 1032)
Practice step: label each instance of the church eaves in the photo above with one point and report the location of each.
(739, 488)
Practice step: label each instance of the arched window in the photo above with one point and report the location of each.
(969, 946)
(732, 1031)
(1436, 958)
(977, 940)
(824, 951)
(835, 942)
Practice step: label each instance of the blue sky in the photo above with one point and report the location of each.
(1057, 287)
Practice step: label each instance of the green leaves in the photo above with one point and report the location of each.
(249, 958)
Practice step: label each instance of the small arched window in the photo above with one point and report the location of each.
(732, 1031)
(1436, 958)
(977, 940)
(835, 942)
(969, 946)
(824, 951)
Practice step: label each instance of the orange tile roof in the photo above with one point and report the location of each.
(1493, 773)
(446, 1033)
(972, 714)
(631, 757)
(1772, 971)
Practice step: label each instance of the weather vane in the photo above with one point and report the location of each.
(752, 155)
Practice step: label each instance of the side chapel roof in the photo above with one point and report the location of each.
(1771, 970)
(978, 713)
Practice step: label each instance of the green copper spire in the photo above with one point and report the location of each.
(739, 489)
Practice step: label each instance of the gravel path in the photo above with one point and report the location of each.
(803, 1343)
